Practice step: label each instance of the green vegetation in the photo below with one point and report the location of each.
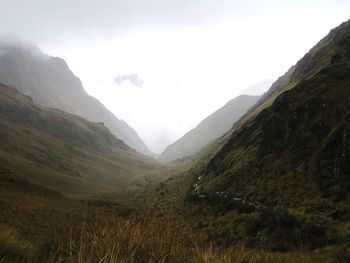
(62, 151)
(287, 158)
(68, 230)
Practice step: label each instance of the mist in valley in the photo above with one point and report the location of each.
(174, 131)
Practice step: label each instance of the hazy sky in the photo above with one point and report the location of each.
(187, 57)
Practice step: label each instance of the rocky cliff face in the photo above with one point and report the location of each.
(50, 82)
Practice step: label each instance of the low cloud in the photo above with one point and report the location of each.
(132, 78)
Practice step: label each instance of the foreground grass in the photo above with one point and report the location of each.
(13, 246)
(140, 239)
(40, 226)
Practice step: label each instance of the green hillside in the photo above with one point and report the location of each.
(279, 179)
(295, 150)
(63, 151)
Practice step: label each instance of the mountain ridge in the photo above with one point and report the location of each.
(50, 82)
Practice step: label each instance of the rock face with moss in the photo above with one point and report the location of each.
(50, 82)
(293, 148)
(211, 128)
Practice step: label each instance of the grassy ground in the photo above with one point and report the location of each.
(100, 236)
(38, 224)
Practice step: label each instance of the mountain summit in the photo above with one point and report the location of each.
(49, 82)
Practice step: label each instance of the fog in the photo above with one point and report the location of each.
(163, 66)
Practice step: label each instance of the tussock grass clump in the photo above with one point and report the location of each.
(142, 239)
(145, 238)
(14, 247)
(239, 254)
(153, 239)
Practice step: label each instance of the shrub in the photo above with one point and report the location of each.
(278, 230)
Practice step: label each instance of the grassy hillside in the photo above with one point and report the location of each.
(300, 140)
(63, 151)
(48, 156)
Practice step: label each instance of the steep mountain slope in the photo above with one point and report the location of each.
(62, 151)
(293, 148)
(211, 128)
(49, 81)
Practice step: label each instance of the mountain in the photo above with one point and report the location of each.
(61, 151)
(293, 147)
(258, 88)
(50, 82)
(211, 128)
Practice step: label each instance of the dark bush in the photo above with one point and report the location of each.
(278, 230)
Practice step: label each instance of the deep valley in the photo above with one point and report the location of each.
(263, 179)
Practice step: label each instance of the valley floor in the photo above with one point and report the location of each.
(153, 225)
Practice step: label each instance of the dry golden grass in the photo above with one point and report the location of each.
(97, 234)
(240, 255)
(151, 239)
(14, 247)
(142, 239)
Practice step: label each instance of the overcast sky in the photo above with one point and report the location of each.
(163, 66)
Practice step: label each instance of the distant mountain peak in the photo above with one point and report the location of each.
(258, 88)
(211, 128)
(11, 43)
